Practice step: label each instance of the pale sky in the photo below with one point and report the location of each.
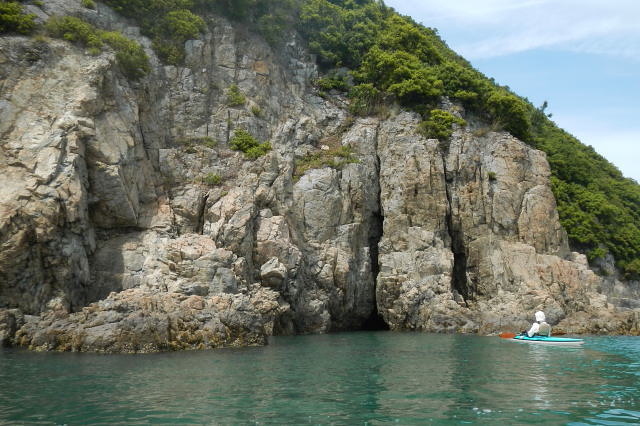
(582, 56)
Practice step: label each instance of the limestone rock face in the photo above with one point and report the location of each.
(472, 240)
(416, 260)
(112, 240)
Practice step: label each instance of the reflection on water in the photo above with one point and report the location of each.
(350, 378)
(612, 417)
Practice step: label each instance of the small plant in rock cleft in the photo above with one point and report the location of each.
(335, 158)
(191, 142)
(235, 97)
(245, 142)
(89, 4)
(439, 125)
(256, 110)
(212, 179)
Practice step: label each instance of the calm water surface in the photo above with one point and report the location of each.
(350, 378)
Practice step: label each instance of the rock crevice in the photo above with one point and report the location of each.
(375, 320)
(459, 282)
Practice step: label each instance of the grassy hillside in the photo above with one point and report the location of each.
(391, 58)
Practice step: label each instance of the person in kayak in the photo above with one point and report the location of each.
(540, 327)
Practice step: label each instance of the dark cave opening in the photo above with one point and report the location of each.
(459, 280)
(375, 322)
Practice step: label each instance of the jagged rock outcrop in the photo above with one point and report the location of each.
(138, 321)
(472, 238)
(112, 241)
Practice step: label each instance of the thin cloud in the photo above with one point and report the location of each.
(622, 46)
(466, 10)
(503, 27)
(587, 36)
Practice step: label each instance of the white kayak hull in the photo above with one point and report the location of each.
(549, 341)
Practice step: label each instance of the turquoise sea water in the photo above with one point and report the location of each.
(348, 378)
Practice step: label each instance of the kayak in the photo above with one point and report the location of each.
(553, 341)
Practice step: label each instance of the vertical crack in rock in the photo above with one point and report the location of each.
(62, 153)
(459, 282)
(228, 135)
(201, 212)
(375, 320)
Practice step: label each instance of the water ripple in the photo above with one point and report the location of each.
(350, 378)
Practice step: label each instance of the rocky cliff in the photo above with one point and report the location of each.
(112, 238)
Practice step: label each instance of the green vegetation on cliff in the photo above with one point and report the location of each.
(336, 158)
(169, 23)
(439, 124)
(132, 59)
(398, 57)
(235, 97)
(245, 142)
(130, 55)
(13, 19)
